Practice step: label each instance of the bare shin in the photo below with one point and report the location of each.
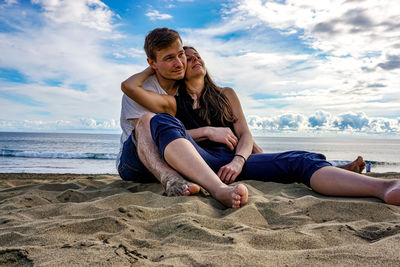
(151, 158)
(334, 181)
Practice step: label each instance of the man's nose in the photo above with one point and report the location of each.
(178, 62)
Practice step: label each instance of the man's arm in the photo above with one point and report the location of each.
(157, 103)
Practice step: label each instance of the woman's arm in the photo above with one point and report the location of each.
(154, 102)
(229, 172)
(222, 135)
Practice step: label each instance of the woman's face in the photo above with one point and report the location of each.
(195, 65)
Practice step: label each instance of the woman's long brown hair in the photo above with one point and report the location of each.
(212, 97)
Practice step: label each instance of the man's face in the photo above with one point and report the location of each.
(170, 62)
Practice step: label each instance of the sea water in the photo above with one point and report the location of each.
(58, 153)
(96, 153)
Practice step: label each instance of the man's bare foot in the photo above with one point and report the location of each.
(392, 194)
(232, 196)
(177, 186)
(358, 165)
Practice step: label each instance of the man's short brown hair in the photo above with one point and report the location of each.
(158, 39)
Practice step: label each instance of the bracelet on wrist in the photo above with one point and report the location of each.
(238, 155)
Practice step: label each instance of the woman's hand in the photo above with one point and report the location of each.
(230, 171)
(223, 135)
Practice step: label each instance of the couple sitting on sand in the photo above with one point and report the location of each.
(200, 133)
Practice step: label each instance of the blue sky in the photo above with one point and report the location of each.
(325, 68)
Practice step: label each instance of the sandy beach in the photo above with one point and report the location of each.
(100, 220)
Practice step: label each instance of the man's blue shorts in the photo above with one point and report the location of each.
(130, 167)
(286, 167)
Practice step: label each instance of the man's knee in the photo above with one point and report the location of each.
(143, 125)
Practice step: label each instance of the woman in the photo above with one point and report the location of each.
(200, 103)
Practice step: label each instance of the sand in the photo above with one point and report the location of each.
(100, 220)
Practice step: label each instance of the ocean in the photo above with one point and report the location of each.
(96, 153)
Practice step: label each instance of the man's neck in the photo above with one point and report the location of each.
(169, 86)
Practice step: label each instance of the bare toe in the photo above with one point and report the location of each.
(242, 191)
(232, 196)
(193, 189)
(178, 186)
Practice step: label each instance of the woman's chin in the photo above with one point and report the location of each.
(197, 72)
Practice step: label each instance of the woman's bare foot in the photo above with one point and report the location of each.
(392, 194)
(358, 165)
(232, 196)
(177, 186)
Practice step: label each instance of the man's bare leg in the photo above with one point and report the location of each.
(174, 184)
(183, 157)
(333, 181)
(358, 165)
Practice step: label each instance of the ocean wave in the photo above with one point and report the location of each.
(56, 155)
(373, 163)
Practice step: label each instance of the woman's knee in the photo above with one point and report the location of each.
(164, 121)
(166, 128)
(162, 118)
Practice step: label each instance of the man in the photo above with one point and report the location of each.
(167, 57)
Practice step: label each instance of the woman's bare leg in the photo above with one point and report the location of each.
(333, 181)
(184, 158)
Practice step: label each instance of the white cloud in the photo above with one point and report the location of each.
(132, 53)
(347, 59)
(90, 13)
(11, 2)
(353, 70)
(337, 27)
(156, 15)
(65, 64)
(83, 124)
(325, 123)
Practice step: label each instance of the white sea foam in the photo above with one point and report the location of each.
(56, 155)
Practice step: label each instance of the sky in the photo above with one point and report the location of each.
(299, 67)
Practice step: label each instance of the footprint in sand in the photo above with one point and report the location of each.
(72, 196)
(15, 257)
(375, 232)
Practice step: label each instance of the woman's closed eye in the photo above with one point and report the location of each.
(190, 58)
